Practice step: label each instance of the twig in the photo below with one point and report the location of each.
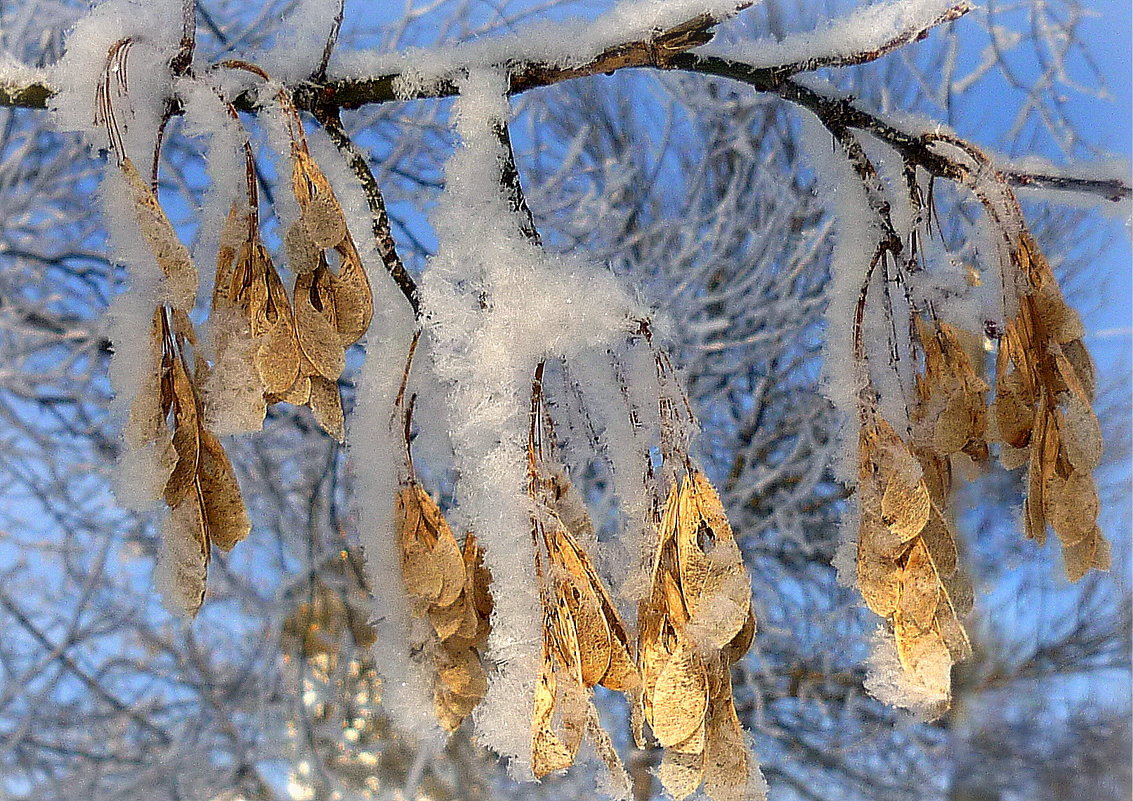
(330, 119)
(320, 73)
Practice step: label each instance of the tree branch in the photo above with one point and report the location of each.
(670, 50)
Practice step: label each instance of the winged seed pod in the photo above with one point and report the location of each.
(695, 622)
(329, 310)
(201, 490)
(1043, 416)
(180, 285)
(585, 643)
(907, 559)
(254, 338)
(951, 412)
(449, 587)
(322, 226)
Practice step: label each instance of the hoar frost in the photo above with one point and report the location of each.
(498, 305)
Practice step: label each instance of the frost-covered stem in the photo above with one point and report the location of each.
(183, 60)
(509, 179)
(331, 120)
(180, 65)
(320, 72)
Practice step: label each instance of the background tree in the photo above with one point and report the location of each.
(701, 191)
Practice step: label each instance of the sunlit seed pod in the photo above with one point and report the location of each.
(920, 587)
(277, 358)
(353, 297)
(1013, 458)
(326, 408)
(693, 744)
(450, 562)
(303, 255)
(298, 394)
(461, 673)
(924, 655)
(417, 519)
(955, 424)
(180, 284)
(740, 644)
(940, 544)
(1061, 322)
(318, 339)
(1014, 415)
(1071, 505)
(879, 583)
(323, 221)
(449, 621)
(1079, 358)
(147, 417)
(952, 631)
(727, 765)
(905, 507)
(1081, 436)
(225, 514)
(183, 558)
(186, 442)
(422, 579)
(681, 774)
(1089, 552)
(680, 697)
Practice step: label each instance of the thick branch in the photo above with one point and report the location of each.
(669, 50)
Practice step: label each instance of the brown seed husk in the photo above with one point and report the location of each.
(180, 286)
(224, 511)
(326, 407)
(303, 255)
(184, 557)
(680, 697)
(318, 338)
(681, 774)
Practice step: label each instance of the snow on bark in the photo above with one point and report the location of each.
(566, 43)
(865, 30)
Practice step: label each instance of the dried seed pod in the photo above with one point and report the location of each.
(314, 326)
(680, 697)
(303, 255)
(727, 762)
(1045, 383)
(352, 296)
(180, 289)
(911, 585)
(681, 774)
(225, 515)
(450, 588)
(326, 407)
(182, 563)
(695, 622)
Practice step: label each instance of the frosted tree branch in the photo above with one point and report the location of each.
(671, 49)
